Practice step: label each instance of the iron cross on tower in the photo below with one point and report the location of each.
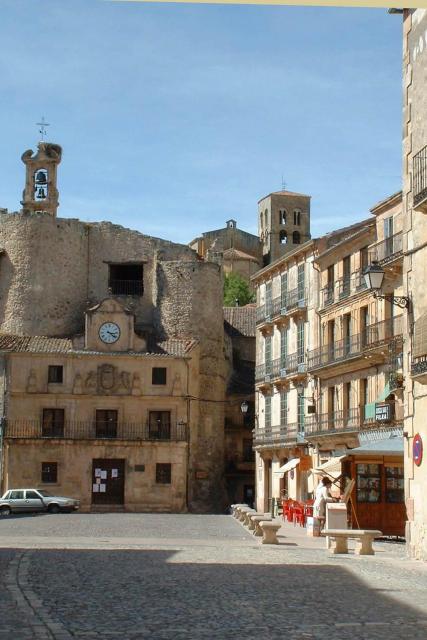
(43, 124)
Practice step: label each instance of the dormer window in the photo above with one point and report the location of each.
(126, 279)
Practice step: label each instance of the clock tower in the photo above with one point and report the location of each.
(110, 327)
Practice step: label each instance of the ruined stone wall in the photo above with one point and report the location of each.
(189, 303)
(52, 268)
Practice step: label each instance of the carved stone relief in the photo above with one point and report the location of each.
(107, 380)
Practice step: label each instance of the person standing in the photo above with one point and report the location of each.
(322, 496)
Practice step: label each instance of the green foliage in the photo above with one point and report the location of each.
(236, 288)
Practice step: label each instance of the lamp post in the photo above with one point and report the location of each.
(374, 276)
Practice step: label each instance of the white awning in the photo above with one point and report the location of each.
(288, 466)
(332, 467)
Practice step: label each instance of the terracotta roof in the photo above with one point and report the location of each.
(43, 344)
(34, 344)
(236, 253)
(240, 321)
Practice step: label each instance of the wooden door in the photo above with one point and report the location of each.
(108, 481)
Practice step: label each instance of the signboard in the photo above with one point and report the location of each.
(417, 449)
(383, 412)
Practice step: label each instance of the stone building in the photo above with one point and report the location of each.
(239, 324)
(235, 250)
(57, 277)
(328, 352)
(415, 273)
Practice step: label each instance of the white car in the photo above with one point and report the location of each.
(27, 500)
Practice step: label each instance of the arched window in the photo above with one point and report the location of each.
(282, 216)
(297, 217)
(265, 219)
(296, 237)
(283, 237)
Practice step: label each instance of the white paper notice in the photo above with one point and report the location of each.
(102, 488)
(95, 488)
(103, 474)
(114, 473)
(98, 480)
(97, 473)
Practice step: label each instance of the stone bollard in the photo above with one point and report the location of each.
(269, 532)
(242, 513)
(234, 508)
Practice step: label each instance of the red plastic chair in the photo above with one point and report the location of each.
(299, 517)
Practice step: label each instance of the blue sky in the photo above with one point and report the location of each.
(174, 118)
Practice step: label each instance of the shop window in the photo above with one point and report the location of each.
(53, 423)
(394, 484)
(49, 472)
(163, 473)
(368, 483)
(55, 374)
(126, 279)
(158, 375)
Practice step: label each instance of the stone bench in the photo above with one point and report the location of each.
(251, 525)
(235, 507)
(257, 521)
(364, 539)
(246, 517)
(241, 512)
(269, 531)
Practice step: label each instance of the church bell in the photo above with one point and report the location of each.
(41, 193)
(41, 177)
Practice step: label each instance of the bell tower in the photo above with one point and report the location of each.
(40, 193)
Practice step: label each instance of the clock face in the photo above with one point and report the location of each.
(109, 332)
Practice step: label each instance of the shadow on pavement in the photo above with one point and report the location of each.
(150, 594)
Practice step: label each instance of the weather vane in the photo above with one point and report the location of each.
(283, 183)
(43, 124)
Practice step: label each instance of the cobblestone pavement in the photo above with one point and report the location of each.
(167, 577)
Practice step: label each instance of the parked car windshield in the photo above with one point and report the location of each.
(44, 493)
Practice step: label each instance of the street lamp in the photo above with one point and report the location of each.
(374, 276)
(300, 387)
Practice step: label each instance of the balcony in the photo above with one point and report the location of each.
(335, 422)
(285, 305)
(371, 341)
(419, 180)
(278, 436)
(36, 430)
(342, 289)
(387, 250)
(291, 365)
(419, 369)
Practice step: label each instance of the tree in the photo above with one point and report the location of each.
(236, 291)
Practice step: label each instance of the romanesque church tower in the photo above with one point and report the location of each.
(283, 223)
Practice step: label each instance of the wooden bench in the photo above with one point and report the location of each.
(257, 521)
(364, 539)
(269, 531)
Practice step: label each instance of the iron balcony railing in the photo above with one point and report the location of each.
(373, 336)
(35, 429)
(387, 249)
(278, 435)
(419, 366)
(342, 288)
(126, 287)
(286, 303)
(419, 187)
(281, 367)
(349, 420)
